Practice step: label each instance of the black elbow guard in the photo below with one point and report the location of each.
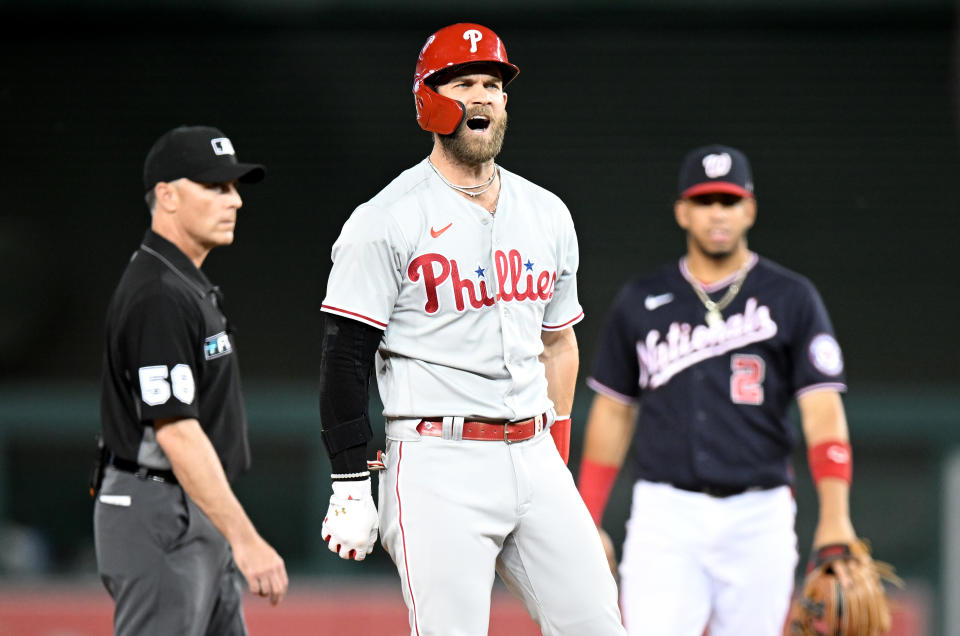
(347, 359)
(340, 436)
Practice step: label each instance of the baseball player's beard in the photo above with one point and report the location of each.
(472, 151)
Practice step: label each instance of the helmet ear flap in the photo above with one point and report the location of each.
(435, 112)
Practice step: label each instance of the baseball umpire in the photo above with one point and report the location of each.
(710, 351)
(458, 281)
(170, 534)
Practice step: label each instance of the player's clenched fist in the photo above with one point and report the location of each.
(350, 527)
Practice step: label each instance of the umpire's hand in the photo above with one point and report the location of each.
(262, 567)
(200, 473)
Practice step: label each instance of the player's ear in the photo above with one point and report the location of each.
(681, 212)
(750, 210)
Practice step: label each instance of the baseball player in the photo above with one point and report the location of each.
(709, 352)
(458, 283)
(170, 535)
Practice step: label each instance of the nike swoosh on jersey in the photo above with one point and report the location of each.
(652, 302)
(435, 233)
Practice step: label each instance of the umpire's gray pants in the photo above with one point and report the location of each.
(168, 569)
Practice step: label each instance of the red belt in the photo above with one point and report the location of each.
(508, 432)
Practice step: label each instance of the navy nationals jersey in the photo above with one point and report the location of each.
(714, 400)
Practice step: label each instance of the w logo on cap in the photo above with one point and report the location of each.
(717, 165)
(222, 146)
(474, 36)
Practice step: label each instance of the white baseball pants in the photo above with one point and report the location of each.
(691, 561)
(454, 512)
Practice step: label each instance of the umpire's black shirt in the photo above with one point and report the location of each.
(170, 354)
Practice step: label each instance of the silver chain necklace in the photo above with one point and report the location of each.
(486, 185)
(714, 317)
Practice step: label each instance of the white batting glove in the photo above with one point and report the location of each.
(350, 527)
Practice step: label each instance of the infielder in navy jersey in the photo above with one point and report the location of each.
(698, 363)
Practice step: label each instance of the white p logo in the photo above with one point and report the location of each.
(474, 36)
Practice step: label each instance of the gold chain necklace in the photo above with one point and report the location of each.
(714, 317)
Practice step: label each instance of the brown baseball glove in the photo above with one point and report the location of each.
(843, 594)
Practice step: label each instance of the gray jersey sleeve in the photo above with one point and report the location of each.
(368, 262)
(564, 309)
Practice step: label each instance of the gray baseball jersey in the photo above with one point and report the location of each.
(463, 297)
(461, 294)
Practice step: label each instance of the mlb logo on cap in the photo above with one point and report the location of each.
(715, 168)
(222, 146)
(184, 152)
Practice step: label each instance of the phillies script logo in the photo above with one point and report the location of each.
(516, 281)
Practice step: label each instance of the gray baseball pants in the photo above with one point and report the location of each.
(168, 569)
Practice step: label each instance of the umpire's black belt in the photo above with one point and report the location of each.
(721, 491)
(154, 474)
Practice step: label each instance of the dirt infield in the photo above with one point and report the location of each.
(311, 609)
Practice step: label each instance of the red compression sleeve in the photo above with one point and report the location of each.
(560, 430)
(595, 483)
(832, 458)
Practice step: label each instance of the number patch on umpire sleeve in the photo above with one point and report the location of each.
(156, 389)
(184, 388)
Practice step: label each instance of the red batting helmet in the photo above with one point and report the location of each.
(452, 46)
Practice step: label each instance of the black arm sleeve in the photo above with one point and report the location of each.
(348, 350)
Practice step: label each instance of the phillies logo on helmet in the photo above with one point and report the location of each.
(474, 36)
(445, 50)
(516, 281)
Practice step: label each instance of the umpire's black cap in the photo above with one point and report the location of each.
(715, 168)
(199, 153)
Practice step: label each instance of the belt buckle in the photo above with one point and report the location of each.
(537, 427)
(144, 473)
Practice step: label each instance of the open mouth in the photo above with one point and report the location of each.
(478, 123)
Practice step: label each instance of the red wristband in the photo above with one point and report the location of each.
(595, 483)
(560, 431)
(832, 458)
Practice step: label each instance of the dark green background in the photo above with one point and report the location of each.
(849, 122)
(848, 114)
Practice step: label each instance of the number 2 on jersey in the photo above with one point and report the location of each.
(746, 378)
